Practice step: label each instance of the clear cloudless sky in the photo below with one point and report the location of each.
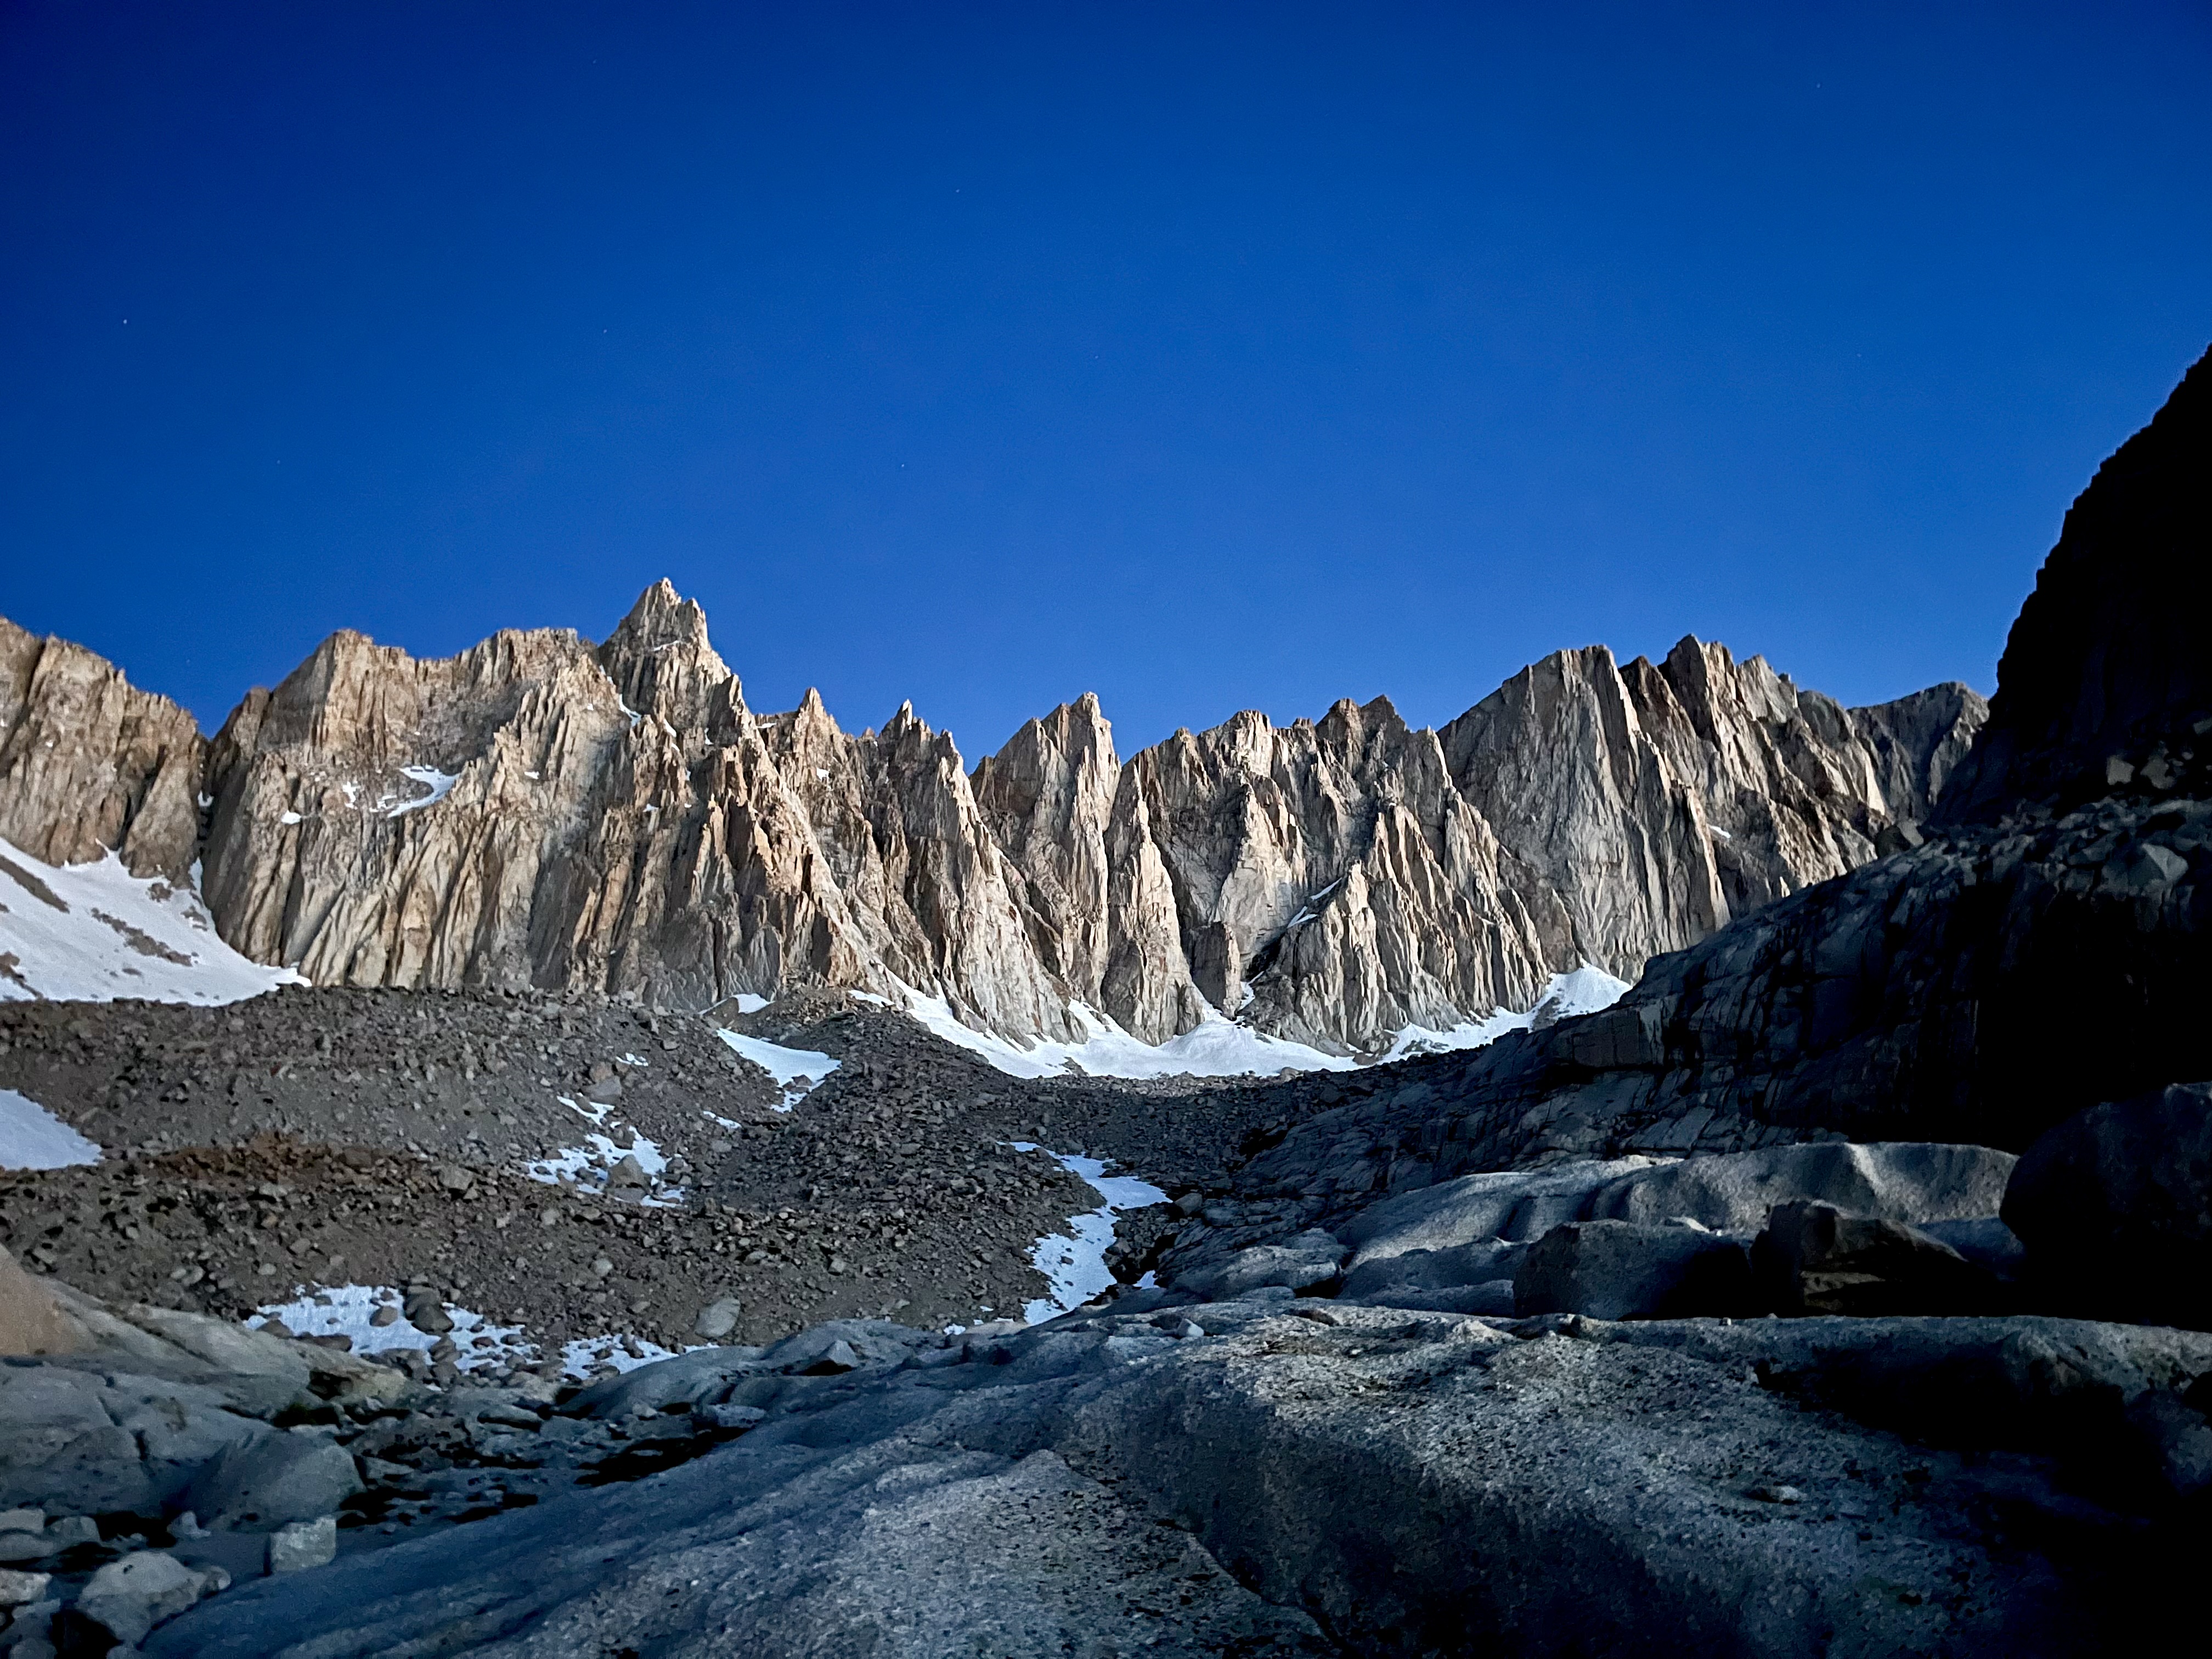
(1205, 355)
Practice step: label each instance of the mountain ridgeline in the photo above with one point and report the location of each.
(539, 810)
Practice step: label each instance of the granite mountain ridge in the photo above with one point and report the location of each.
(539, 811)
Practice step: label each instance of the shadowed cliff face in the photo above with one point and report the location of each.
(537, 811)
(2107, 682)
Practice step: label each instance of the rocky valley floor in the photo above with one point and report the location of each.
(308, 1140)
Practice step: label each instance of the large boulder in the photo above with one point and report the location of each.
(1510, 1204)
(1908, 1181)
(277, 1479)
(2115, 1208)
(255, 1372)
(80, 1440)
(1621, 1270)
(1383, 1278)
(1308, 1262)
(1816, 1259)
(31, 1320)
(126, 1599)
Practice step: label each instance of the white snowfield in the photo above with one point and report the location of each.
(94, 932)
(1216, 1047)
(795, 1071)
(33, 1138)
(1222, 1047)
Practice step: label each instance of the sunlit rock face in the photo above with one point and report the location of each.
(540, 810)
(89, 763)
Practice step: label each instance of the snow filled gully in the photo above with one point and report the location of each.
(1075, 1266)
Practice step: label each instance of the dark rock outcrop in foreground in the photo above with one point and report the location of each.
(2105, 683)
(1268, 1476)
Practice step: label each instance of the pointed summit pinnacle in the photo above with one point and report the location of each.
(663, 617)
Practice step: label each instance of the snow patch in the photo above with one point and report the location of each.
(33, 1138)
(92, 932)
(795, 1071)
(586, 1167)
(1076, 1266)
(440, 784)
(1585, 991)
(348, 1311)
(749, 1002)
(1215, 1048)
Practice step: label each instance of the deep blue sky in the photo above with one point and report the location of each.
(1205, 355)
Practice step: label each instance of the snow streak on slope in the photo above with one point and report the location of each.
(590, 1168)
(94, 932)
(351, 1310)
(440, 784)
(33, 1138)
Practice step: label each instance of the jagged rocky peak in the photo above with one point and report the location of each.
(1049, 799)
(322, 850)
(535, 810)
(660, 661)
(89, 764)
(2105, 682)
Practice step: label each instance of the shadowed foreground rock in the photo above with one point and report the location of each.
(2117, 1202)
(1389, 1483)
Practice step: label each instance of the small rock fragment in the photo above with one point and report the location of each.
(303, 1544)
